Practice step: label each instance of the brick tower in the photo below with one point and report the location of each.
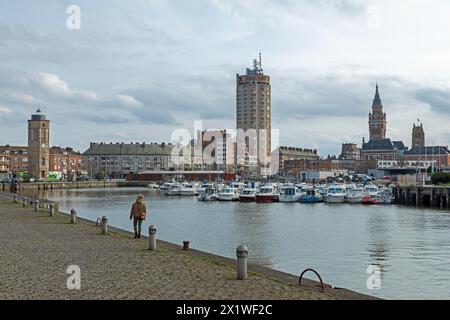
(38, 145)
(377, 119)
(418, 136)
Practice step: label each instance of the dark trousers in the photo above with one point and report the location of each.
(137, 223)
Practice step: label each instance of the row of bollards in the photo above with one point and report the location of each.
(241, 253)
(241, 250)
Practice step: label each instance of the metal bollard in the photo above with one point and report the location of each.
(15, 199)
(51, 209)
(104, 225)
(73, 216)
(152, 237)
(241, 254)
(24, 202)
(186, 245)
(36, 205)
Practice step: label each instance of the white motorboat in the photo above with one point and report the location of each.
(289, 193)
(248, 195)
(229, 194)
(165, 186)
(187, 189)
(174, 190)
(238, 185)
(385, 197)
(337, 193)
(209, 194)
(267, 193)
(203, 187)
(371, 189)
(356, 195)
(168, 185)
(153, 185)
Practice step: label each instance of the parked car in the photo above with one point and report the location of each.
(6, 180)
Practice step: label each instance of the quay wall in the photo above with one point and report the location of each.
(34, 188)
(429, 196)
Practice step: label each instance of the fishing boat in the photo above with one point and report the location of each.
(229, 194)
(209, 194)
(267, 194)
(289, 193)
(356, 195)
(337, 193)
(248, 195)
(310, 195)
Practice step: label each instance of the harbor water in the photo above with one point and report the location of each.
(410, 246)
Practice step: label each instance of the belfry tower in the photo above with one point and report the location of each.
(377, 119)
(418, 135)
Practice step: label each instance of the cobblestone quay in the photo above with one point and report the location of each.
(36, 251)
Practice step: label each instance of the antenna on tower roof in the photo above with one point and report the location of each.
(260, 64)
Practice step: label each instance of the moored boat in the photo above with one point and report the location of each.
(368, 200)
(385, 197)
(247, 195)
(356, 195)
(267, 194)
(229, 194)
(371, 189)
(289, 193)
(153, 185)
(310, 195)
(173, 190)
(337, 193)
(187, 189)
(209, 194)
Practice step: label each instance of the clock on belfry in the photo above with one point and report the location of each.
(43, 145)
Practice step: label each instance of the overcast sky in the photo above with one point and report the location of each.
(138, 69)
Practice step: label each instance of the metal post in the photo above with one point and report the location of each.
(51, 210)
(15, 199)
(24, 202)
(242, 254)
(152, 237)
(185, 245)
(73, 216)
(36, 205)
(104, 225)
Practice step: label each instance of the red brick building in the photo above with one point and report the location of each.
(13, 159)
(439, 156)
(66, 161)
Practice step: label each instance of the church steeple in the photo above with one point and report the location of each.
(377, 99)
(377, 118)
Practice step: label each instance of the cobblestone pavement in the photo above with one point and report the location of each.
(36, 250)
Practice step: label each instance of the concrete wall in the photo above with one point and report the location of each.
(27, 188)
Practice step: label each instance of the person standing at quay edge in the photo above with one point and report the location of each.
(138, 213)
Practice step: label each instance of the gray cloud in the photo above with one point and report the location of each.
(438, 99)
(178, 61)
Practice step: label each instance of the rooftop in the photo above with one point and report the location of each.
(428, 150)
(129, 149)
